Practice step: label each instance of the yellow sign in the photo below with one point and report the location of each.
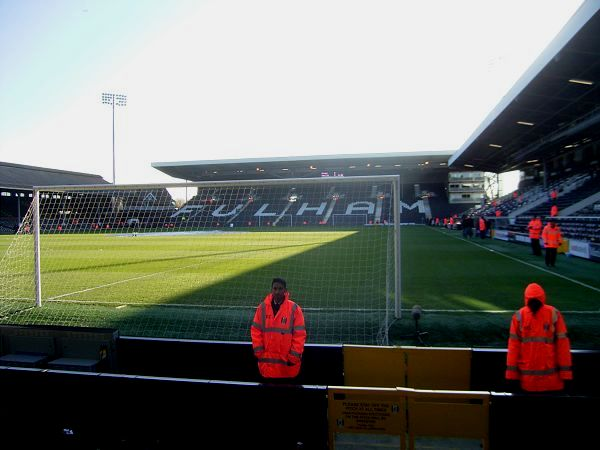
(372, 416)
(370, 410)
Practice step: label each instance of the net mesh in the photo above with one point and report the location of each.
(132, 258)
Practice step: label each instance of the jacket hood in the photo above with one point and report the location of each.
(534, 290)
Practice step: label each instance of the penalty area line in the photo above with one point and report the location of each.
(57, 297)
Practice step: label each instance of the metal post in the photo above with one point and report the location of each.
(397, 254)
(18, 209)
(36, 248)
(113, 139)
(114, 100)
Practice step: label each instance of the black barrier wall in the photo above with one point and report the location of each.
(202, 394)
(52, 409)
(488, 367)
(214, 360)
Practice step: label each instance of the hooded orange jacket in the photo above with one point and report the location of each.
(539, 351)
(278, 340)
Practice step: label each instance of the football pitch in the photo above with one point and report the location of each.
(206, 286)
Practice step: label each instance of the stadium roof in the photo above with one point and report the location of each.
(17, 176)
(311, 166)
(553, 108)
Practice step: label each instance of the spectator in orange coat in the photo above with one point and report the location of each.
(539, 351)
(552, 240)
(554, 211)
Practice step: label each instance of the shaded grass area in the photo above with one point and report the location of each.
(189, 322)
(484, 330)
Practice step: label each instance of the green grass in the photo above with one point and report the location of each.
(206, 287)
(444, 273)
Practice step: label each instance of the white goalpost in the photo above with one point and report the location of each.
(132, 257)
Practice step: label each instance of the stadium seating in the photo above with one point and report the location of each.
(58, 347)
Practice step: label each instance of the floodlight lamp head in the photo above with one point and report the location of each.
(114, 99)
(416, 312)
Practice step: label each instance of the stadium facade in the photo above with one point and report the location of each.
(16, 188)
(547, 127)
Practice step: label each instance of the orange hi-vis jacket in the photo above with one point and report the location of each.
(278, 340)
(481, 224)
(551, 236)
(539, 352)
(535, 228)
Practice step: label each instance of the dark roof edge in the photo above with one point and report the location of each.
(45, 169)
(585, 12)
(309, 158)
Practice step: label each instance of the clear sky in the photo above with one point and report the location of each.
(218, 79)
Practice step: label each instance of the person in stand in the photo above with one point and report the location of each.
(539, 351)
(553, 196)
(535, 230)
(278, 335)
(554, 211)
(552, 240)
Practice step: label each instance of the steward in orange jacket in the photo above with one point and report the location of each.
(535, 230)
(539, 352)
(482, 227)
(278, 334)
(552, 240)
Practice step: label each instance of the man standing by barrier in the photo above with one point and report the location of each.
(278, 334)
(539, 351)
(552, 240)
(535, 231)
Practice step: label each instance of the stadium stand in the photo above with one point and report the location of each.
(146, 401)
(16, 186)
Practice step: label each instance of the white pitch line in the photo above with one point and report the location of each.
(121, 282)
(523, 262)
(122, 305)
(494, 311)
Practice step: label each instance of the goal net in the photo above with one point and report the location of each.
(150, 263)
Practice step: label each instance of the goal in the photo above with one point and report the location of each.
(137, 258)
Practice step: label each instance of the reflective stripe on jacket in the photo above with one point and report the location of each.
(278, 340)
(539, 352)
